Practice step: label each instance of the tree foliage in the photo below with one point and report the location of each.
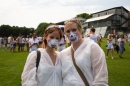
(84, 15)
(6, 30)
(41, 28)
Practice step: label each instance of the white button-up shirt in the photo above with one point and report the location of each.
(46, 75)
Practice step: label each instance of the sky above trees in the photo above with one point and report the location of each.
(30, 13)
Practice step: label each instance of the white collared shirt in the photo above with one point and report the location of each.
(34, 47)
(47, 74)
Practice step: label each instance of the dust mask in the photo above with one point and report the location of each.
(53, 43)
(73, 37)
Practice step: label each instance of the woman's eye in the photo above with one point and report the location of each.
(67, 31)
(73, 30)
(51, 37)
(57, 38)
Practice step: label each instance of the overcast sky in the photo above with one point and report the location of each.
(30, 13)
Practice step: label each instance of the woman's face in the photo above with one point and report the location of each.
(53, 35)
(72, 28)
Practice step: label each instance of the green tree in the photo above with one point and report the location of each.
(84, 15)
(41, 28)
(6, 30)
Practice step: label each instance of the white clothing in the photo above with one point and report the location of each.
(9, 38)
(90, 58)
(11, 44)
(94, 37)
(62, 42)
(109, 45)
(121, 42)
(129, 39)
(23, 40)
(46, 75)
(27, 40)
(113, 40)
(34, 47)
(19, 39)
(39, 38)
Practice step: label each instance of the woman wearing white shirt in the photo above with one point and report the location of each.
(88, 55)
(33, 43)
(23, 43)
(109, 46)
(49, 69)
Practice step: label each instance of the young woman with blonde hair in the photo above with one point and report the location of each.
(88, 56)
(109, 46)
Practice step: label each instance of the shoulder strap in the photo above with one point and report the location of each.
(78, 69)
(38, 59)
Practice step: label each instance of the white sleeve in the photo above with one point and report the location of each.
(99, 66)
(29, 72)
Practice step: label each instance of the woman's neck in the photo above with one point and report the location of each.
(77, 44)
(50, 51)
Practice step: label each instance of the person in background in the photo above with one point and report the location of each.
(6, 42)
(33, 43)
(113, 40)
(129, 42)
(23, 43)
(100, 37)
(121, 44)
(88, 55)
(11, 43)
(109, 46)
(48, 72)
(14, 44)
(125, 37)
(19, 42)
(94, 36)
(40, 40)
(62, 43)
(27, 43)
(0, 41)
(9, 38)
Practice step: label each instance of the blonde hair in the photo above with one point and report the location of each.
(109, 36)
(76, 21)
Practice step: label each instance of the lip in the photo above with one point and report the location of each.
(73, 39)
(53, 46)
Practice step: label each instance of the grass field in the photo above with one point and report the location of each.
(12, 63)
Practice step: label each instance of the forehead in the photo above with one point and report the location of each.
(71, 25)
(54, 33)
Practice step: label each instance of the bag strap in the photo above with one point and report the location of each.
(78, 69)
(38, 59)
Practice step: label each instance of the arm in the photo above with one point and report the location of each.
(99, 66)
(98, 41)
(30, 45)
(29, 73)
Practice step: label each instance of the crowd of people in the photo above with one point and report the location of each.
(117, 44)
(62, 68)
(81, 63)
(30, 42)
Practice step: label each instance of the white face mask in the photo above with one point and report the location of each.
(53, 43)
(73, 37)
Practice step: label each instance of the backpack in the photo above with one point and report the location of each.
(38, 59)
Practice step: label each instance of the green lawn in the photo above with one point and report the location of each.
(12, 63)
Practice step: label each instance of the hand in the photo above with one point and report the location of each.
(34, 43)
